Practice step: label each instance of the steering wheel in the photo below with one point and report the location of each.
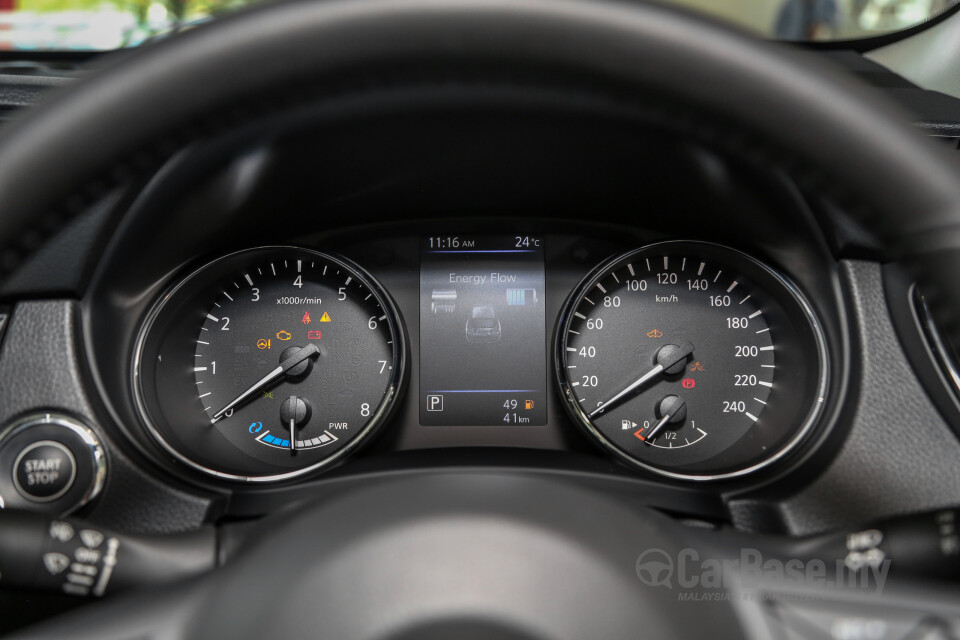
(468, 552)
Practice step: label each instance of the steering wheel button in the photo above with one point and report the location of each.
(44, 471)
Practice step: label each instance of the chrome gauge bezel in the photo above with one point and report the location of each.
(801, 432)
(384, 410)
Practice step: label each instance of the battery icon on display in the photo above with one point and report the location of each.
(520, 297)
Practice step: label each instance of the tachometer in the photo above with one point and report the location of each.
(692, 360)
(269, 363)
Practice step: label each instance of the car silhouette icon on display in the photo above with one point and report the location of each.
(483, 325)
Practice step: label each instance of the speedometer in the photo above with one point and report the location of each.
(692, 360)
(269, 363)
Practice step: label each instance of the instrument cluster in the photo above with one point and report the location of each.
(681, 358)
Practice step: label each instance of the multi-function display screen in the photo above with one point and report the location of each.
(482, 331)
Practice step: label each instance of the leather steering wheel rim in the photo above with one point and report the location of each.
(816, 121)
(823, 123)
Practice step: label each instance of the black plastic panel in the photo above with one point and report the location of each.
(42, 367)
(900, 455)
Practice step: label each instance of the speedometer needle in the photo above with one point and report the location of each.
(285, 365)
(668, 357)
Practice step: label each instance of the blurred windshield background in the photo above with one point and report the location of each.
(100, 25)
(806, 20)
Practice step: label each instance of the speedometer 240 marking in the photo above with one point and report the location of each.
(692, 360)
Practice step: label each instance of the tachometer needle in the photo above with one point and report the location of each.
(668, 357)
(285, 365)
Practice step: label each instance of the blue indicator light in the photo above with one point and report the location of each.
(268, 438)
(255, 427)
(285, 443)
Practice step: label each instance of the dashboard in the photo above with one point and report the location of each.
(450, 344)
(252, 333)
(333, 297)
(320, 333)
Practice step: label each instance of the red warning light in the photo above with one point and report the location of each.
(306, 317)
(688, 383)
(313, 334)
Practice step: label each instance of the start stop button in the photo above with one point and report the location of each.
(44, 471)
(49, 463)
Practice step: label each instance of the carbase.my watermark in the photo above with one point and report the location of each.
(687, 570)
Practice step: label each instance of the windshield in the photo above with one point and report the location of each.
(821, 20)
(102, 25)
